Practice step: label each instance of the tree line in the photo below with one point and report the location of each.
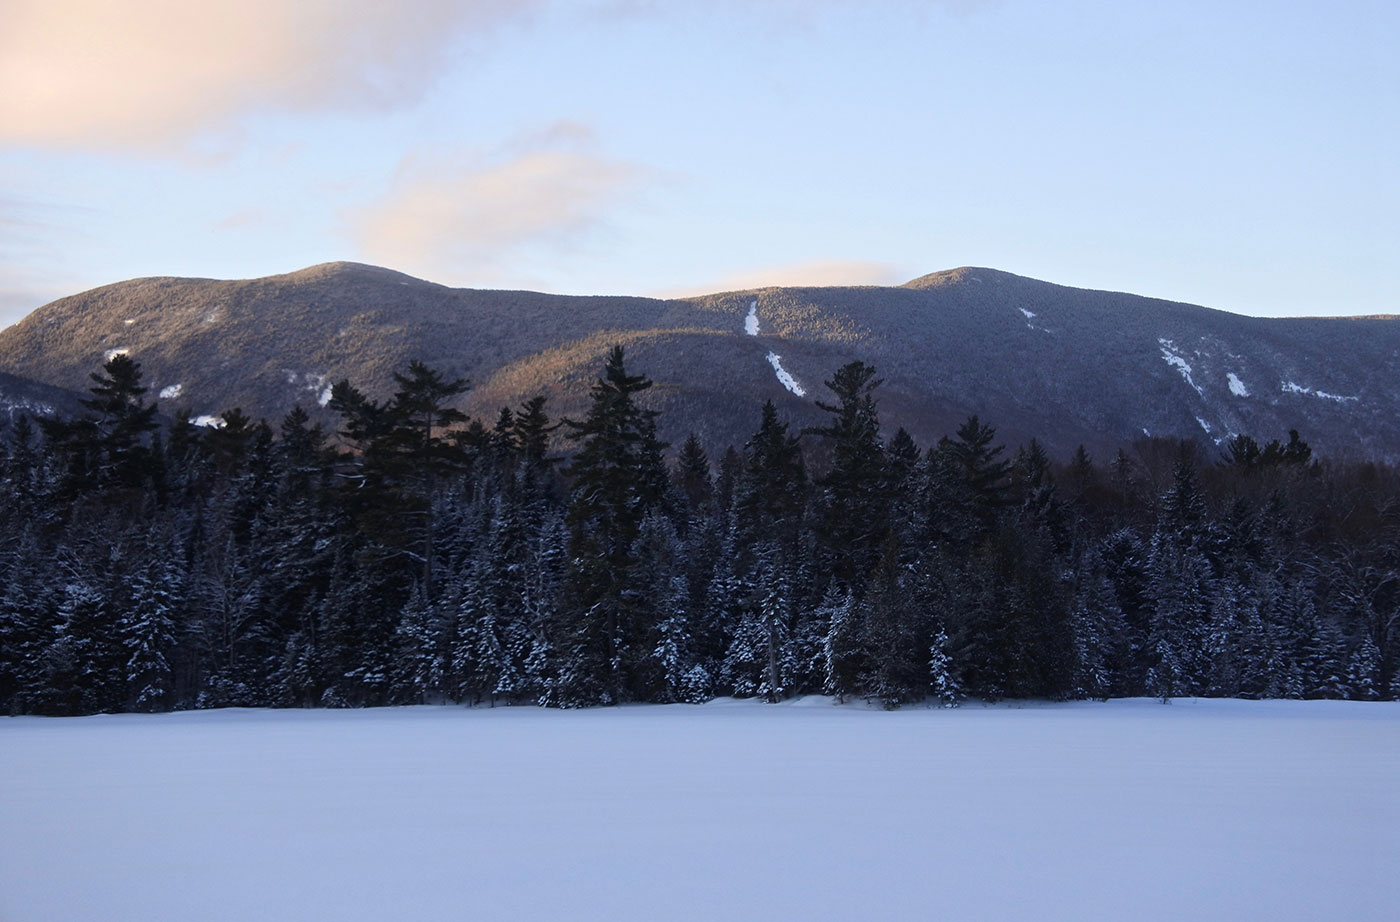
(415, 555)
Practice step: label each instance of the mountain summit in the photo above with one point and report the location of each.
(1065, 365)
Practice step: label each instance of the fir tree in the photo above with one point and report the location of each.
(855, 496)
(618, 478)
(148, 633)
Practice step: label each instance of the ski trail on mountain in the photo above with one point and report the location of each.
(784, 378)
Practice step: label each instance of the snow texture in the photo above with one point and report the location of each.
(1236, 385)
(785, 379)
(1290, 388)
(129, 321)
(318, 384)
(9, 403)
(1030, 315)
(1169, 355)
(211, 422)
(113, 353)
(751, 321)
(1131, 810)
(171, 392)
(1204, 425)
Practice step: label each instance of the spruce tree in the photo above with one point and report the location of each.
(618, 478)
(854, 505)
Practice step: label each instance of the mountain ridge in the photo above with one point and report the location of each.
(1066, 365)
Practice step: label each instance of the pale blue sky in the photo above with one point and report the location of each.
(1238, 155)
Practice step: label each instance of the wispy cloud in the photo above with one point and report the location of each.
(816, 273)
(462, 223)
(242, 220)
(146, 73)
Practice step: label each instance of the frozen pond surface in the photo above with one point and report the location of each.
(1130, 810)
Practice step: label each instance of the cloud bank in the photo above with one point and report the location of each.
(814, 274)
(462, 223)
(150, 73)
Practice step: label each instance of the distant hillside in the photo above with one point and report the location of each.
(1067, 365)
(23, 397)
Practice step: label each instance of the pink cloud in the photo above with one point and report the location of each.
(459, 224)
(814, 274)
(149, 73)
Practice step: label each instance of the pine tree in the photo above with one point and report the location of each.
(1180, 589)
(148, 632)
(28, 624)
(896, 671)
(943, 683)
(404, 451)
(618, 478)
(1363, 671)
(692, 476)
(854, 505)
(83, 664)
(418, 666)
(107, 447)
(843, 648)
(1096, 620)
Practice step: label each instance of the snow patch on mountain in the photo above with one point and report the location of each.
(318, 384)
(20, 404)
(751, 321)
(113, 353)
(1030, 315)
(785, 379)
(1291, 388)
(171, 392)
(1170, 356)
(1236, 385)
(209, 422)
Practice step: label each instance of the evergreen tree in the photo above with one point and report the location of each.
(896, 645)
(943, 683)
(770, 495)
(692, 476)
(148, 634)
(854, 504)
(842, 650)
(83, 665)
(28, 624)
(618, 478)
(1363, 671)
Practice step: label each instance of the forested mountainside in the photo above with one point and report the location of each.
(417, 557)
(1065, 365)
(22, 397)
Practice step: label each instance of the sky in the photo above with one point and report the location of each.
(1240, 155)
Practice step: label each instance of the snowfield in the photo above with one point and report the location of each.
(1131, 810)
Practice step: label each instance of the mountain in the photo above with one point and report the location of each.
(1066, 365)
(23, 397)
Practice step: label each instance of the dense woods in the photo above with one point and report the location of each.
(417, 556)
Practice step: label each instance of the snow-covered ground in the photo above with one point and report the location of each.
(1132, 810)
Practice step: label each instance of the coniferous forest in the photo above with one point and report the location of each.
(415, 556)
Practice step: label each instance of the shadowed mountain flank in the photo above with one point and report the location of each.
(1066, 365)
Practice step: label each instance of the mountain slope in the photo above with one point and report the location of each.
(23, 397)
(1066, 365)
